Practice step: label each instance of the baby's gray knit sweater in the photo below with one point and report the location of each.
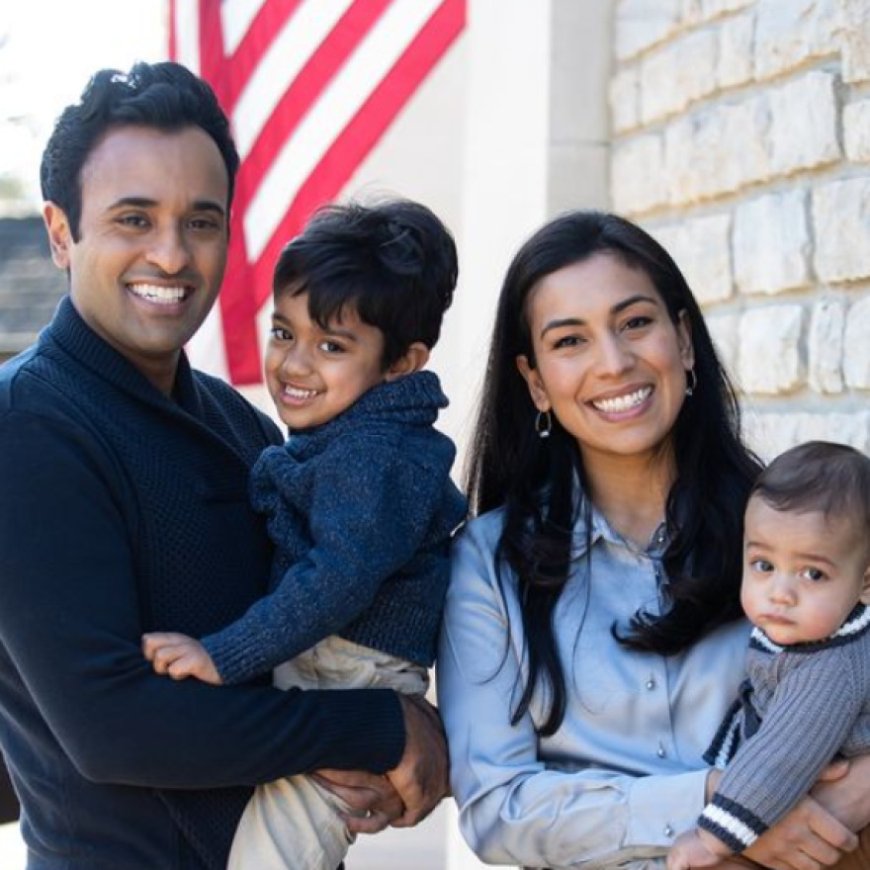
(809, 702)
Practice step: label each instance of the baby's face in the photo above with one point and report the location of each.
(802, 572)
(313, 374)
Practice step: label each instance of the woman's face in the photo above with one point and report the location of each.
(609, 362)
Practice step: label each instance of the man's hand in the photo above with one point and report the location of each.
(179, 656)
(409, 792)
(422, 777)
(372, 801)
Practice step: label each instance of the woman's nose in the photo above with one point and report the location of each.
(614, 357)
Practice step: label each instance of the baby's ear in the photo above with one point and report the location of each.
(414, 358)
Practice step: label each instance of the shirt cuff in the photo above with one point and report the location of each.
(662, 807)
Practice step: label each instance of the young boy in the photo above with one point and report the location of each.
(806, 589)
(359, 501)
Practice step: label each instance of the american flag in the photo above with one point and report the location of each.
(310, 86)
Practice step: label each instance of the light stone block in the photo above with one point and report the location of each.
(825, 346)
(701, 248)
(676, 75)
(734, 56)
(768, 358)
(853, 35)
(791, 32)
(770, 434)
(724, 330)
(841, 227)
(637, 181)
(856, 356)
(717, 150)
(804, 123)
(772, 243)
(641, 24)
(625, 100)
(856, 130)
(715, 8)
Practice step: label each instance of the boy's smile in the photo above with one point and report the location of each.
(314, 374)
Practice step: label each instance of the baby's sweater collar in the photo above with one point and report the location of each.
(857, 622)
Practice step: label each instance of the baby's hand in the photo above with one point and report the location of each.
(691, 850)
(179, 656)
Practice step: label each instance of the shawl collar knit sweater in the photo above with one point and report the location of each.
(126, 511)
(361, 510)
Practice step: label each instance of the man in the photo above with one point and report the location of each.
(124, 509)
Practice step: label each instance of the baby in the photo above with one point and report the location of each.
(806, 589)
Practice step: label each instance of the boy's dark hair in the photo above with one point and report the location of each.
(818, 476)
(394, 262)
(165, 95)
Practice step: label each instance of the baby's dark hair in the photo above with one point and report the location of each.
(819, 476)
(394, 262)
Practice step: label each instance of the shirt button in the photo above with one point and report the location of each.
(669, 831)
(661, 751)
(651, 683)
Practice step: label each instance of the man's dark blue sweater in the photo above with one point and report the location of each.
(124, 511)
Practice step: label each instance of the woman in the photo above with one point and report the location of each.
(593, 636)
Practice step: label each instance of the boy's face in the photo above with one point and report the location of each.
(314, 374)
(802, 572)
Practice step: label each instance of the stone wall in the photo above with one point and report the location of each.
(741, 140)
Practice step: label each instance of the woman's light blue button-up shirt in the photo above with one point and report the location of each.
(623, 775)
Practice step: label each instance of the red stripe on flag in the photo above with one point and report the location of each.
(363, 131)
(267, 24)
(247, 285)
(237, 298)
(305, 90)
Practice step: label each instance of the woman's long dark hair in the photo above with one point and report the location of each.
(533, 478)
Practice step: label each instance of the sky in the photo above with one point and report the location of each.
(48, 50)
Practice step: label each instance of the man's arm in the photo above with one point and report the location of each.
(71, 623)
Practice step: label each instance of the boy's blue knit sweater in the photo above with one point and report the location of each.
(361, 510)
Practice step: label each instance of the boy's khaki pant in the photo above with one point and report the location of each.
(294, 823)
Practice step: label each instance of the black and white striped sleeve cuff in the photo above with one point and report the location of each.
(731, 823)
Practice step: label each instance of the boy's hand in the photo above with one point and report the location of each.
(696, 849)
(179, 656)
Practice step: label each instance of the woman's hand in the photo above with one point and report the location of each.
(810, 837)
(848, 796)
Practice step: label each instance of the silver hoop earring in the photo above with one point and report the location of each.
(543, 424)
(693, 382)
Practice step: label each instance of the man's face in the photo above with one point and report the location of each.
(152, 242)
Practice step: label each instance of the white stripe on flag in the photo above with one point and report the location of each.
(187, 34)
(236, 18)
(340, 101)
(279, 66)
(206, 348)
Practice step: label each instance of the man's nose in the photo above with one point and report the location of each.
(169, 251)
